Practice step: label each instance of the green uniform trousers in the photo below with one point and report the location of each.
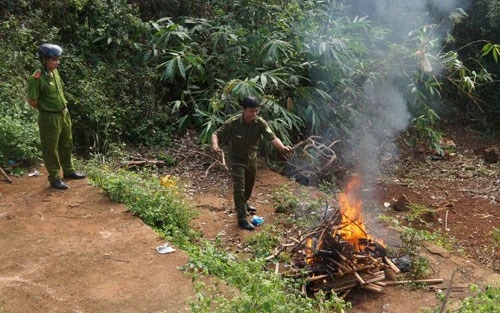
(57, 143)
(243, 175)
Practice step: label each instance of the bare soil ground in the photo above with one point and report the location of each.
(77, 251)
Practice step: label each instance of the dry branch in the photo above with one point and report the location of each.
(5, 175)
(130, 164)
(391, 265)
(314, 149)
(419, 281)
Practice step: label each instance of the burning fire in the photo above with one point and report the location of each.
(339, 254)
(348, 236)
(352, 228)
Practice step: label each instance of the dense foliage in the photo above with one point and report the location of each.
(111, 98)
(477, 42)
(341, 69)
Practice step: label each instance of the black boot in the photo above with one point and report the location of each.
(75, 175)
(251, 209)
(59, 184)
(245, 225)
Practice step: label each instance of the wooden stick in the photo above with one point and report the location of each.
(375, 279)
(294, 239)
(446, 221)
(374, 261)
(346, 260)
(315, 278)
(380, 283)
(277, 252)
(210, 167)
(447, 291)
(341, 266)
(277, 268)
(350, 286)
(361, 281)
(5, 175)
(419, 281)
(345, 293)
(374, 288)
(303, 289)
(129, 164)
(393, 267)
(224, 161)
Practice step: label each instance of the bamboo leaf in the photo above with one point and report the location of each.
(182, 68)
(170, 69)
(263, 80)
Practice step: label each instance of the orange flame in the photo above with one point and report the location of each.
(309, 250)
(352, 228)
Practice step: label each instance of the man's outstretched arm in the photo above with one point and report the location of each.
(280, 146)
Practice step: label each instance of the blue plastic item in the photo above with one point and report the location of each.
(257, 220)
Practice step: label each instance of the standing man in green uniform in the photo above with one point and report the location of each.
(45, 93)
(244, 133)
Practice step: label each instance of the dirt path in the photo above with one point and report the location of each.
(77, 251)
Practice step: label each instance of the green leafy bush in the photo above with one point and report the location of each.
(19, 140)
(485, 301)
(259, 290)
(161, 208)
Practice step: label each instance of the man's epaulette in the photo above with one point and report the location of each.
(38, 74)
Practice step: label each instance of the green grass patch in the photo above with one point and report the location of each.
(159, 207)
(259, 290)
(496, 235)
(482, 301)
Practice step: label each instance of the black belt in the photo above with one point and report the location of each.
(53, 112)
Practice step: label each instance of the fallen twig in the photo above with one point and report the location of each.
(224, 161)
(447, 291)
(5, 175)
(446, 221)
(416, 281)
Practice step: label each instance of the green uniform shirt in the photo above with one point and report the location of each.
(48, 90)
(244, 138)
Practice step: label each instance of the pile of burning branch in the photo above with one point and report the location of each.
(335, 263)
(338, 255)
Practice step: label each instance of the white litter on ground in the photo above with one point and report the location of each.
(165, 248)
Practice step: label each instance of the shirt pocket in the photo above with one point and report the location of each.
(238, 143)
(49, 87)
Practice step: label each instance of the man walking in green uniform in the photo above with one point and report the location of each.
(244, 133)
(45, 93)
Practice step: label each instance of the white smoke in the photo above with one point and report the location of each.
(387, 115)
(386, 112)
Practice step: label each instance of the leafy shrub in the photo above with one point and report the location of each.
(259, 291)
(161, 208)
(284, 200)
(19, 140)
(485, 301)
